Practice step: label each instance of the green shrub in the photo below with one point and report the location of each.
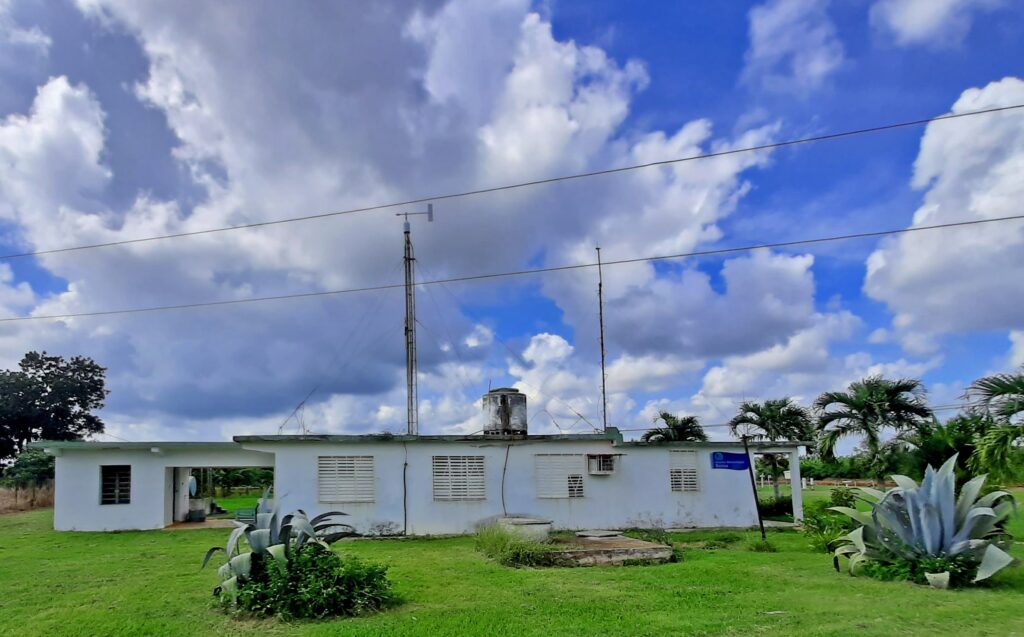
(775, 507)
(823, 527)
(318, 583)
(961, 570)
(509, 549)
(841, 467)
(842, 497)
(762, 546)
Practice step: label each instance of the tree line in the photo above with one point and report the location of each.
(987, 433)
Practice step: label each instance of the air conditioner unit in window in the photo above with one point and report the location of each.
(602, 464)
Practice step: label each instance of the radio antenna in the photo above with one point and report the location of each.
(600, 320)
(412, 397)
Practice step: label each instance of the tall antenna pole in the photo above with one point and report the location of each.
(411, 382)
(600, 319)
(412, 400)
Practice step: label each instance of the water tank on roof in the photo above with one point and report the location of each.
(504, 412)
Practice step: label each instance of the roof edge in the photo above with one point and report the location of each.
(166, 444)
(372, 438)
(758, 444)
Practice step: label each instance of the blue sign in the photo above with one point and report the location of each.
(726, 460)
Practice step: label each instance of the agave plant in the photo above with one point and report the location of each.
(913, 523)
(274, 536)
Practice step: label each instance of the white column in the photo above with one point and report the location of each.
(181, 477)
(794, 481)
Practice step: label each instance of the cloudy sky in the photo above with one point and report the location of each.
(126, 119)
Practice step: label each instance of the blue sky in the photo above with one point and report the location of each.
(127, 119)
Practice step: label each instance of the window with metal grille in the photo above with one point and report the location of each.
(116, 484)
(559, 475)
(459, 478)
(683, 475)
(345, 479)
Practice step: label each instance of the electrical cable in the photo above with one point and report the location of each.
(514, 273)
(524, 184)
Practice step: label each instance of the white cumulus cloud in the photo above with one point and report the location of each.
(935, 23)
(793, 46)
(958, 280)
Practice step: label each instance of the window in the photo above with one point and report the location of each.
(116, 484)
(345, 479)
(601, 464)
(459, 478)
(683, 471)
(559, 475)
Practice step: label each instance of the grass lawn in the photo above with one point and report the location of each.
(232, 503)
(149, 583)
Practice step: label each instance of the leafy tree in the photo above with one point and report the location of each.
(1000, 396)
(931, 442)
(865, 409)
(49, 398)
(778, 419)
(683, 428)
(34, 466)
(228, 479)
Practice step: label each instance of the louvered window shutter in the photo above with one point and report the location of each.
(683, 474)
(345, 479)
(559, 475)
(459, 478)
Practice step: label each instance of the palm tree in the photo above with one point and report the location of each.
(676, 429)
(778, 419)
(865, 409)
(1000, 396)
(932, 442)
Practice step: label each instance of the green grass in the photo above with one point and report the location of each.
(149, 583)
(233, 503)
(809, 494)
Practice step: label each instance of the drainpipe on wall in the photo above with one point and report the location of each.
(405, 491)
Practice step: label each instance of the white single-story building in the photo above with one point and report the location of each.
(420, 485)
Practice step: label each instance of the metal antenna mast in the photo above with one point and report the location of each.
(412, 397)
(600, 319)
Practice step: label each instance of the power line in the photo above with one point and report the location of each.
(519, 358)
(524, 184)
(512, 273)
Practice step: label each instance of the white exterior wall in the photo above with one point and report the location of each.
(637, 494)
(77, 476)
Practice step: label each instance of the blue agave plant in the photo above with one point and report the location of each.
(914, 522)
(274, 536)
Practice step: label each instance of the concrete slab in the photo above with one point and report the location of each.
(598, 533)
(610, 551)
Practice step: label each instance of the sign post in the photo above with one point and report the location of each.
(753, 488)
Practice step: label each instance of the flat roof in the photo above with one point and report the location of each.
(753, 444)
(163, 444)
(367, 438)
(612, 435)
